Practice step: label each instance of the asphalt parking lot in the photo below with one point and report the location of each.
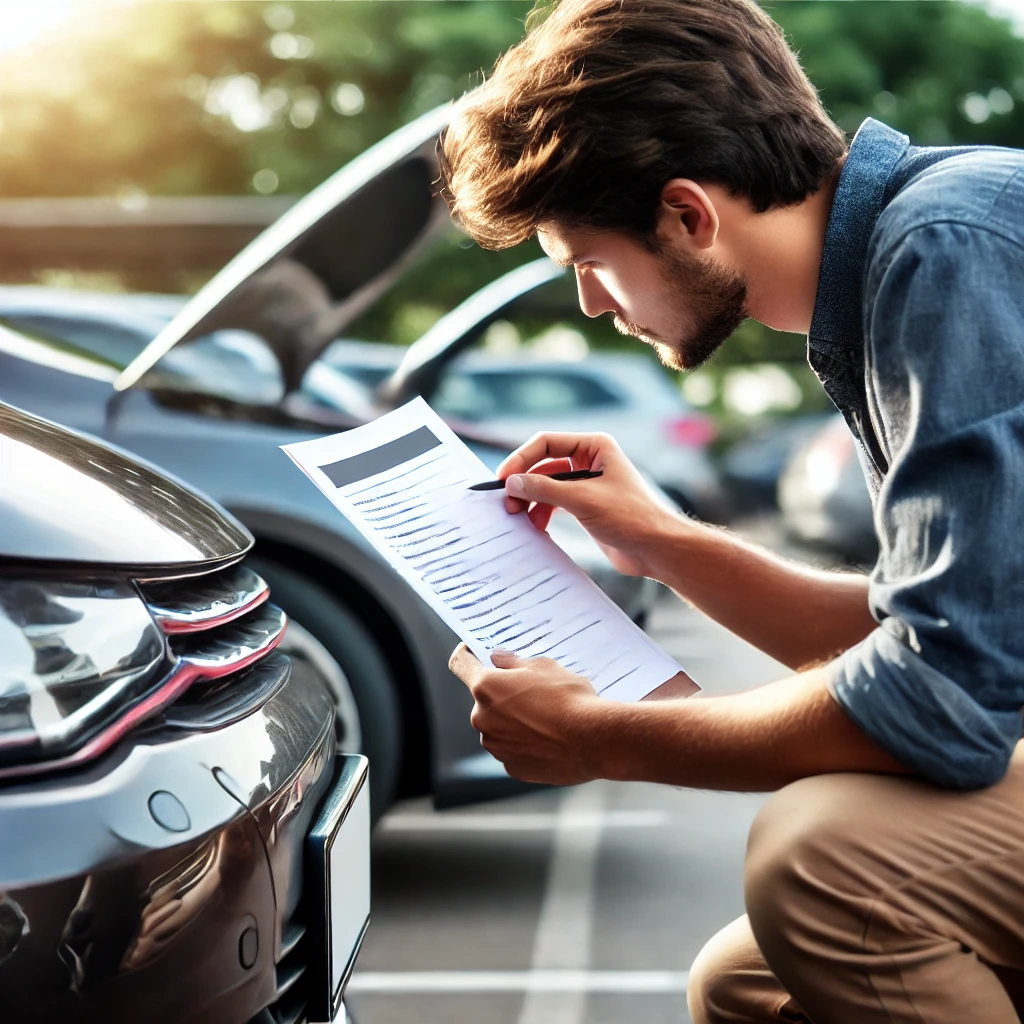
(580, 906)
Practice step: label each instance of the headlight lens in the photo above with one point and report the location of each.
(75, 656)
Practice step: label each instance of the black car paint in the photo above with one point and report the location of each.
(126, 919)
(162, 880)
(160, 523)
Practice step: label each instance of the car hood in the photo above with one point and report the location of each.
(67, 498)
(300, 282)
(426, 358)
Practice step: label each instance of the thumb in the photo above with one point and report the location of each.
(501, 658)
(536, 487)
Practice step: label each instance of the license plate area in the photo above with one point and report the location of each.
(337, 886)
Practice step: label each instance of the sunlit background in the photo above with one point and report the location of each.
(136, 101)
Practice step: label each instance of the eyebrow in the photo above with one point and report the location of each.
(568, 260)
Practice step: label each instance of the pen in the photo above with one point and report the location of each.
(576, 474)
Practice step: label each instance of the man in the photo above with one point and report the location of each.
(673, 153)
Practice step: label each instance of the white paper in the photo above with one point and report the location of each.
(494, 578)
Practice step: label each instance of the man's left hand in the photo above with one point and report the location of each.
(534, 716)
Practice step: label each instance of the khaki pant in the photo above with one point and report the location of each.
(876, 899)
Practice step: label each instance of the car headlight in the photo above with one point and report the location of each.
(75, 655)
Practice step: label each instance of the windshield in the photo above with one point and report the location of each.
(234, 364)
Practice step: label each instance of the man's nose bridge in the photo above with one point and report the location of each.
(594, 300)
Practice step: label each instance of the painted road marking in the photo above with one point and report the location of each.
(537, 981)
(562, 941)
(526, 822)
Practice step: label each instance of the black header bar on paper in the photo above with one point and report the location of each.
(379, 460)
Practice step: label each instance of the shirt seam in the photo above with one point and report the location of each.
(947, 221)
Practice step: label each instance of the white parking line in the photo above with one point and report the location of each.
(563, 934)
(570, 982)
(526, 822)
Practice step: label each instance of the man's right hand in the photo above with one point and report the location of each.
(618, 509)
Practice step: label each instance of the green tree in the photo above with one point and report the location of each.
(228, 98)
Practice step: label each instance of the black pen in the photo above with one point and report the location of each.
(576, 474)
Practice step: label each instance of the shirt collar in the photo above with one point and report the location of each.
(836, 325)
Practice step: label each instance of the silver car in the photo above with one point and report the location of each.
(210, 390)
(824, 496)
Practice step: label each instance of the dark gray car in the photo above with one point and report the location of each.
(169, 780)
(196, 401)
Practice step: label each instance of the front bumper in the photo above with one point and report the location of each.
(164, 882)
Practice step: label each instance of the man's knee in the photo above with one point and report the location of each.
(717, 987)
(806, 860)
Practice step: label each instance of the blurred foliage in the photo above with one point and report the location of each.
(228, 98)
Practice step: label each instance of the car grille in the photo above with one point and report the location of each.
(221, 625)
(196, 604)
(289, 1006)
(219, 630)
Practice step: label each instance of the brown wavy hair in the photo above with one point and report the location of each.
(584, 121)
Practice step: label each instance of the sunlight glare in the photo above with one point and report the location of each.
(21, 23)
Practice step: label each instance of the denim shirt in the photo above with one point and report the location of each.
(918, 338)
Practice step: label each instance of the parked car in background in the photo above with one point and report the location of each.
(625, 394)
(752, 466)
(824, 496)
(167, 774)
(209, 388)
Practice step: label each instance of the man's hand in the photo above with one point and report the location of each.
(618, 510)
(534, 716)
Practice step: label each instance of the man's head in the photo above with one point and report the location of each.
(625, 133)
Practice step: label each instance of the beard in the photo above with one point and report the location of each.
(715, 305)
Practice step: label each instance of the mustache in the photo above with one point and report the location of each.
(632, 330)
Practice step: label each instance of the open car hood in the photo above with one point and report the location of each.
(426, 358)
(325, 261)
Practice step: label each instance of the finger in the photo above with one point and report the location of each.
(581, 448)
(465, 664)
(517, 505)
(567, 494)
(549, 466)
(540, 515)
(504, 659)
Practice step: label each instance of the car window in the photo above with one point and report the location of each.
(109, 343)
(369, 376)
(233, 364)
(229, 364)
(540, 392)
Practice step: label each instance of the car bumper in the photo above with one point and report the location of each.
(165, 882)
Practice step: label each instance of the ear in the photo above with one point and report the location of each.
(687, 214)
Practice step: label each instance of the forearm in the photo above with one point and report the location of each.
(799, 616)
(759, 740)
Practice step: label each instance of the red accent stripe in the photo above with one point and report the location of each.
(181, 679)
(175, 626)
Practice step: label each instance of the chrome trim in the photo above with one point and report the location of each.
(223, 654)
(75, 653)
(204, 602)
(218, 703)
(234, 646)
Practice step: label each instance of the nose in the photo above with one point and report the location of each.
(594, 297)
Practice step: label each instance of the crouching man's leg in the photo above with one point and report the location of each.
(730, 981)
(876, 899)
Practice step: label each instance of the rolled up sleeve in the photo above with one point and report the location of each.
(940, 683)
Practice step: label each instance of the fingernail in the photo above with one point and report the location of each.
(514, 485)
(504, 651)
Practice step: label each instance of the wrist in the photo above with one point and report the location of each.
(604, 744)
(664, 538)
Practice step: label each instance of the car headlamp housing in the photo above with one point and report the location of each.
(76, 654)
